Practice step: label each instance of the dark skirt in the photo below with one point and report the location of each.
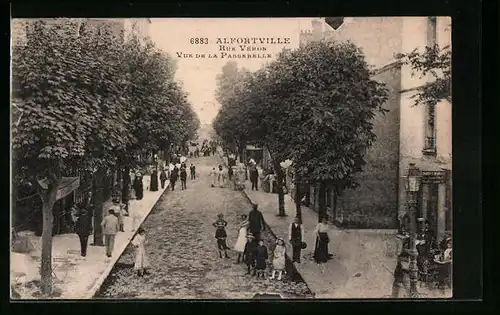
(260, 264)
(139, 193)
(221, 243)
(220, 233)
(321, 249)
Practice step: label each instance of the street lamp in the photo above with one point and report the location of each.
(412, 186)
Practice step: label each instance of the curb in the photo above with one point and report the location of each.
(289, 263)
(97, 285)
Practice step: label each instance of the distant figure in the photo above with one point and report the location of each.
(214, 175)
(296, 238)
(254, 177)
(83, 230)
(163, 178)
(221, 176)
(173, 177)
(141, 259)
(322, 240)
(192, 169)
(153, 186)
(110, 227)
(183, 175)
(138, 187)
(230, 173)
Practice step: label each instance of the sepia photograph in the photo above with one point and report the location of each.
(231, 158)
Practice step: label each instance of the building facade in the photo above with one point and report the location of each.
(406, 134)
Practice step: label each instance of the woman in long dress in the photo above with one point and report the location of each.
(214, 175)
(239, 247)
(141, 259)
(321, 250)
(279, 259)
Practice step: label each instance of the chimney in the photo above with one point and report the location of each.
(317, 29)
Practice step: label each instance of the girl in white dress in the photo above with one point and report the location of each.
(279, 259)
(239, 247)
(214, 175)
(141, 258)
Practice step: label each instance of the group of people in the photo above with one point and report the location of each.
(219, 176)
(176, 173)
(251, 250)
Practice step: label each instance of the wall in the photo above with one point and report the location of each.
(374, 203)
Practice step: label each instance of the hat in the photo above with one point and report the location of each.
(111, 210)
(279, 239)
(220, 215)
(255, 206)
(250, 235)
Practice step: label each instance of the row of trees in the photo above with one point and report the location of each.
(90, 100)
(313, 106)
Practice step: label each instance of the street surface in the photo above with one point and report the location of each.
(182, 249)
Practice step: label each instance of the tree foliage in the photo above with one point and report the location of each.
(314, 105)
(90, 100)
(436, 62)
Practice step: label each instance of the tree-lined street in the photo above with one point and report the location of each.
(183, 252)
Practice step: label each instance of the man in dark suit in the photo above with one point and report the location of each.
(256, 222)
(296, 237)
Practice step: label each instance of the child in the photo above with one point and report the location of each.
(213, 174)
(249, 253)
(260, 259)
(141, 259)
(279, 259)
(221, 235)
(239, 247)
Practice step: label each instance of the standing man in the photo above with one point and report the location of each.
(296, 237)
(254, 177)
(183, 178)
(192, 168)
(256, 222)
(163, 178)
(110, 227)
(83, 230)
(173, 177)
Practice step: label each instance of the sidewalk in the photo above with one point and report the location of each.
(363, 261)
(78, 277)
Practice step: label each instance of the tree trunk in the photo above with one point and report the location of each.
(321, 201)
(297, 196)
(48, 199)
(281, 194)
(126, 184)
(98, 204)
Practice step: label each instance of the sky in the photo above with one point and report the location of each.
(198, 74)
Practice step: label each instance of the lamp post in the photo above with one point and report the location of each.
(412, 189)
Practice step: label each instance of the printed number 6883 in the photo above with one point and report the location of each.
(197, 41)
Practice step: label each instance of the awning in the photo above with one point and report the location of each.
(66, 187)
(253, 148)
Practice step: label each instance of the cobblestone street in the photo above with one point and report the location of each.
(182, 249)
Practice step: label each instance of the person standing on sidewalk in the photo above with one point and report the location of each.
(279, 259)
(138, 187)
(192, 169)
(296, 238)
(83, 230)
(173, 177)
(110, 227)
(163, 178)
(254, 177)
(321, 249)
(183, 178)
(141, 259)
(249, 253)
(261, 259)
(256, 220)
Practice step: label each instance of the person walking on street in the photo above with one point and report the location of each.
(221, 235)
(296, 238)
(214, 175)
(230, 173)
(173, 177)
(83, 230)
(261, 259)
(163, 178)
(110, 227)
(256, 222)
(138, 186)
(279, 259)
(321, 255)
(183, 178)
(153, 186)
(192, 169)
(141, 259)
(221, 176)
(250, 253)
(239, 247)
(254, 177)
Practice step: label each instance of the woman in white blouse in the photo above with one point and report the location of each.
(321, 249)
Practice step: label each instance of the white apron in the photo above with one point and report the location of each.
(242, 240)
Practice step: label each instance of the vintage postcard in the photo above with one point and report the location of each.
(231, 158)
